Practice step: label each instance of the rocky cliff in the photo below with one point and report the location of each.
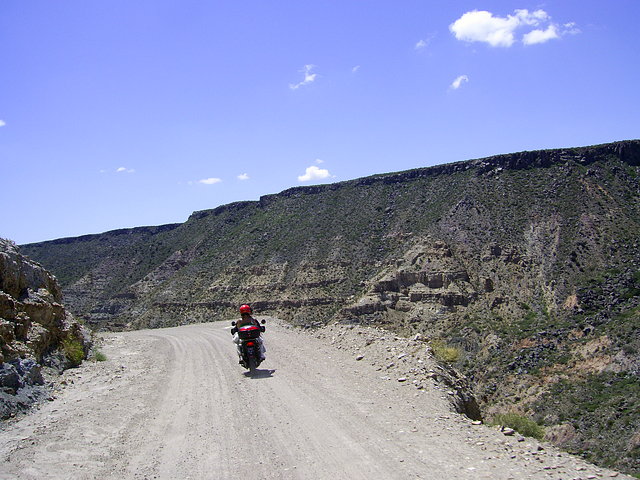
(35, 331)
(526, 264)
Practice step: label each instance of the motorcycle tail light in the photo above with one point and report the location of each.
(250, 344)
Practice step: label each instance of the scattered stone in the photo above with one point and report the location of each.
(359, 357)
(508, 431)
(402, 379)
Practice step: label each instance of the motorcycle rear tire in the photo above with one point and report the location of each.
(253, 364)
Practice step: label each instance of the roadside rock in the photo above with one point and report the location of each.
(35, 331)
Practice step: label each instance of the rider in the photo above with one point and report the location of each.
(247, 319)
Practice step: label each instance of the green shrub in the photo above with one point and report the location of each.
(523, 425)
(99, 356)
(444, 352)
(73, 350)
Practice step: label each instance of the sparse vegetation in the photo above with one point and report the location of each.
(98, 356)
(444, 352)
(603, 406)
(521, 424)
(73, 350)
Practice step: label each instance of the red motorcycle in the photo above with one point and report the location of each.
(249, 345)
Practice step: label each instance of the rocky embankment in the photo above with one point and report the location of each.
(37, 336)
(403, 360)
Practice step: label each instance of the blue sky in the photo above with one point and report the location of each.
(120, 113)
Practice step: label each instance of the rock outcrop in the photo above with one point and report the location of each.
(36, 332)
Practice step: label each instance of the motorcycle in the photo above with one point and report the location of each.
(249, 344)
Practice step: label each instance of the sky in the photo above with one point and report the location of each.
(119, 113)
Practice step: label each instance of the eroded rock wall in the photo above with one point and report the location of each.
(35, 330)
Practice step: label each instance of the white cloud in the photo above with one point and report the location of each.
(483, 26)
(243, 176)
(533, 18)
(570, 29)
(2, 123)
(308, 77)
(125, 170)
(314, 173)
(424, 42)
(540, 36)
(355, 69)
(318, 161)
(210, 181)
(457, 83)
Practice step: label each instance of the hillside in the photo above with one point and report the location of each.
(526, 263)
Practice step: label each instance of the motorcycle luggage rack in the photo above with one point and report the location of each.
(248, 332)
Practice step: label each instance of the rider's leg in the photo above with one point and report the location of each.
(263, 350)
(236, 340)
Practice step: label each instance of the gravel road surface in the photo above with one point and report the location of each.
(174, 404)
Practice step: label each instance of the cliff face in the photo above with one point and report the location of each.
(35, 330)
(526, 263)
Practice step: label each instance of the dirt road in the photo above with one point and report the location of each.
(174, 404)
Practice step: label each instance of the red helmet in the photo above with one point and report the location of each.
(245, 309)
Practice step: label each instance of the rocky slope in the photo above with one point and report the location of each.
(524, 265)
(37, 336)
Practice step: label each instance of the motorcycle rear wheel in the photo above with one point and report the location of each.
(253, 364)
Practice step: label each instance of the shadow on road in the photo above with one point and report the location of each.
(260, 374)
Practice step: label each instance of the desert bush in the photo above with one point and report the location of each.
(523, 425)
(444, 352)
(99, 356)
(73, 350)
